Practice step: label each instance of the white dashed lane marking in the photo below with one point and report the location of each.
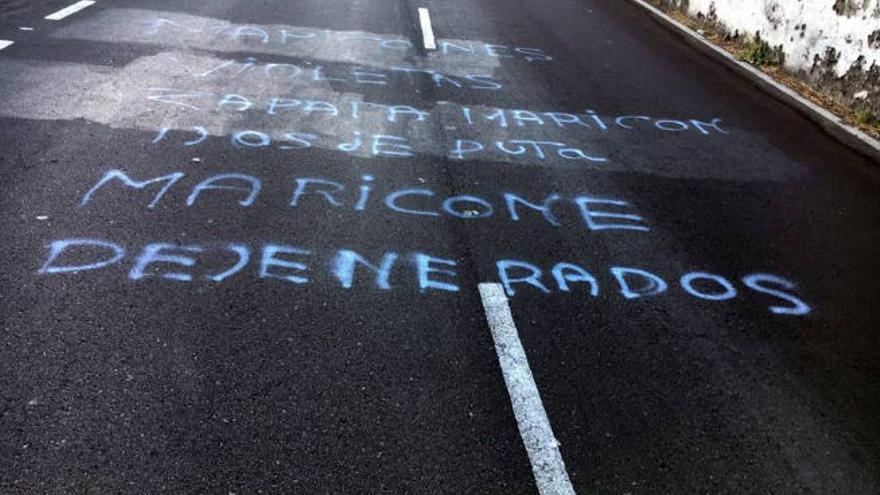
(5, 43)
(69, 10)
(427, 30)
(531, 418)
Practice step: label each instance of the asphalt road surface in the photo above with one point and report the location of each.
(243, 243)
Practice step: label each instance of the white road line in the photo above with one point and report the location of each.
(427, 30)
(5, 43)
(531, 418)
(69, 10)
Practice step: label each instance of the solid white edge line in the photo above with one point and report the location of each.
(785, 90)
(427, 30)
(69, 10)
(531, 418)
(5, 43)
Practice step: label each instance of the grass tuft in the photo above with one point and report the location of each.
(759, 53)
(867, 117)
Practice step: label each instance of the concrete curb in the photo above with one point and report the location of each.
(831, 123)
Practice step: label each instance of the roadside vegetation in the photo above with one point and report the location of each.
(759, 53)
(867, 117)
